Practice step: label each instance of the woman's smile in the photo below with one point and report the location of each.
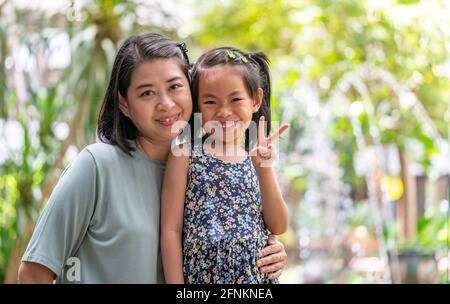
(168, 121)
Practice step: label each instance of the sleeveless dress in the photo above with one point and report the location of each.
(223, 227)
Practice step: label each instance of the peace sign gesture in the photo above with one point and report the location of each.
(264, 152)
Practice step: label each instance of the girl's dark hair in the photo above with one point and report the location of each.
(113, 126)
(255, 72)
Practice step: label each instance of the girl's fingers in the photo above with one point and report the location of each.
(278, 133)
(264, 152)
(261, 134)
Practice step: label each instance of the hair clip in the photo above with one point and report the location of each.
(244, 60)
(183, 47)
(231, 54)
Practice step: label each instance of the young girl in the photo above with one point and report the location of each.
(218, 208)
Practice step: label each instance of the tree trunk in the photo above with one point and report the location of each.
(408, 203)
(16, 255)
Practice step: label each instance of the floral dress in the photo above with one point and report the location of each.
(223, 227)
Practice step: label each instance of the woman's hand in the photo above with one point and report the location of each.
(273, 258)
(263, 154)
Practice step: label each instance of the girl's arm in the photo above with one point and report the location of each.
(273, 205)
(172, 210)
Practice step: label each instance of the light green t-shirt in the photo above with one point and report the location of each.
(101, 223)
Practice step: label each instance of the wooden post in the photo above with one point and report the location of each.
(408, 203)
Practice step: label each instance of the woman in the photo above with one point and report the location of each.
(101, 223)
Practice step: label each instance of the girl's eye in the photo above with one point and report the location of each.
(175, 86)
(236, 99)
(210, 102)
(147, 93)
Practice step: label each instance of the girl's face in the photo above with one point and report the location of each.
(225, 104)
(158, 99)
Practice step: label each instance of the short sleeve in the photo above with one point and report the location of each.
(65, 220)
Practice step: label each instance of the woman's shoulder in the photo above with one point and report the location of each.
(104, 153)
(100, 148)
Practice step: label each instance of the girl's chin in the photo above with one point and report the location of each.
(222, 139)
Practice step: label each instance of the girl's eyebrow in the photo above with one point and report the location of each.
(209, 95)
(235, 93)
(213, 96)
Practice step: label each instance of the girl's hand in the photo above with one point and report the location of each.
(264, 153)
(273, 258)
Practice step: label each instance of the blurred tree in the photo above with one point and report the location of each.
(319, 41)
(379, 69)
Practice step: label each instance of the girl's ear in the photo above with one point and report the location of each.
(257, 101)
(123, 106)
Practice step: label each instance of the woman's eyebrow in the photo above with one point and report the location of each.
(144, 85)
(174, 78)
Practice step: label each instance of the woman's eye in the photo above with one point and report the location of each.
(175, 86)
(209, 102)
(147, 93)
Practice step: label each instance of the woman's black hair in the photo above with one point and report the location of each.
(113, 126)
(256, 74)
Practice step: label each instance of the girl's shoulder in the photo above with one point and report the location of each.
(181, 150)
(179, 154)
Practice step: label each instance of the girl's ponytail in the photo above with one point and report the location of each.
(262, 61)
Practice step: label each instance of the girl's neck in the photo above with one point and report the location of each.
(229, 152)
(154, 150)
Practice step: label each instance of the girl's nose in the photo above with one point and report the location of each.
(223, 112)
(166, 103)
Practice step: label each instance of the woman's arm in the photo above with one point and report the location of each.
(63, 223)
(34, 273)
(172, 210)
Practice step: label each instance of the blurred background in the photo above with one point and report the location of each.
(365, 85)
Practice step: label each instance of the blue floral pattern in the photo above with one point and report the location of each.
(223, 222)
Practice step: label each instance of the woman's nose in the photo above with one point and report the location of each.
(166, 103)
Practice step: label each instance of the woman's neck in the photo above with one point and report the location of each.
(154, 150)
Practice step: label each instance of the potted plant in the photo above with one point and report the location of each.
(417, 262)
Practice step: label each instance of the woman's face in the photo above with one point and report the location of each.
(158, 99)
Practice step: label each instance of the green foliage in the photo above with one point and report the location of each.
(68, 96)
(321, 41)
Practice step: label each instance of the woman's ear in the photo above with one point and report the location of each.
(123, 106)
(257, 101)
